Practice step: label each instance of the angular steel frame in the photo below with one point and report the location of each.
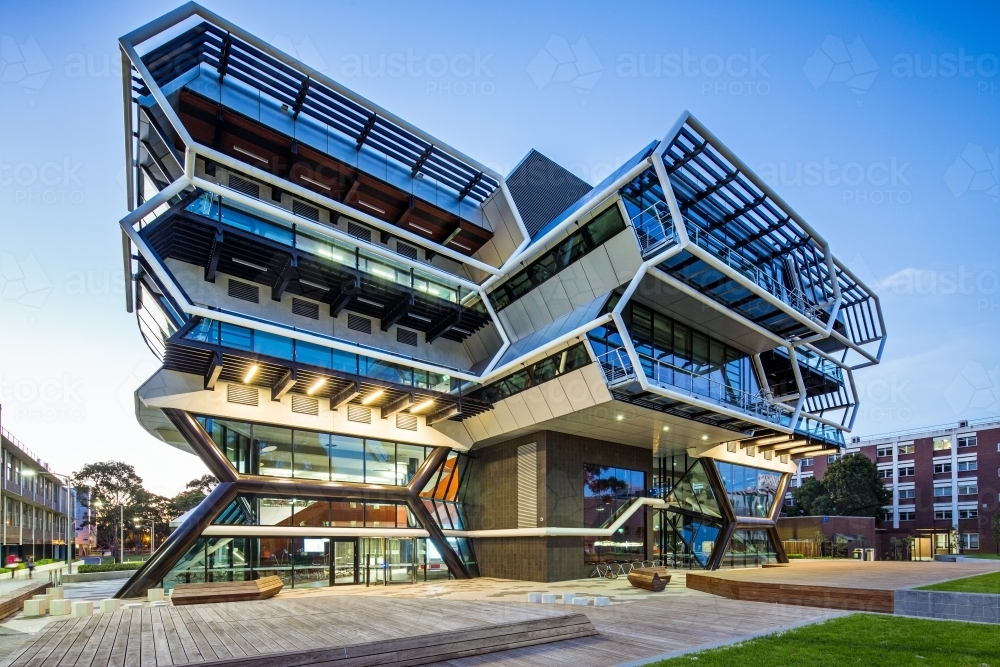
(232, 483)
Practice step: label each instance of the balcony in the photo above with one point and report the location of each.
(654, 228)
(619, 371)
(794, 298)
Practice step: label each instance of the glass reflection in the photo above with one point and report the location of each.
(751, 491)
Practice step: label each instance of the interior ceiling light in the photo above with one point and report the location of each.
(422, 406)
(666, 428)
(316, 386)
(620, 417)
(374, 396)
(704, 437)
(370, 206)
(250, 373)
(269, 448)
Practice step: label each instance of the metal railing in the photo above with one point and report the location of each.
(794, 298)
(654, 227)
(618, 368)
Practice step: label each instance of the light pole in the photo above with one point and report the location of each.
(152, 532)
(121, 529)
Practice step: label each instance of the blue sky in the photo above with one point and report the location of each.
(878, 123)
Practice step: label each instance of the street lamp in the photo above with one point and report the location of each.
(152, 532)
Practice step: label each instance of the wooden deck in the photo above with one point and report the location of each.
(329, 630)
(12, 600)
(848, 585)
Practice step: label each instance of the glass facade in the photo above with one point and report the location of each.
(750, 548)
(571, 249)
(311, 562)
(607, 492)
(235, 215)
(275, 451)
(547, 369)
(751, 491)
(236, 337)
(264, 511)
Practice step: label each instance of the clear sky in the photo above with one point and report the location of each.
(877, 122)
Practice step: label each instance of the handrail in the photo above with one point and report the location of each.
(654, 227)
(618, 368)
(795, 298)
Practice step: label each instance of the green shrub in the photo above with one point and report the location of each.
(791, 556)
(5, 570)
(45, 561)
(109, 567)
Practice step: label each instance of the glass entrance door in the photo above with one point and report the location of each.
(388, 561)
(345, 562)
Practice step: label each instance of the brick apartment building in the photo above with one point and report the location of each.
(945, 481)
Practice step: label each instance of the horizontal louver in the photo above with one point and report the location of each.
(305, 405)
(240, 184)
(406, 336)
(359, 231)
(360, 414)
(407, 422)
(305, 308)
(238, 393)
(358, 323)
(305, 210)
(244, 291)
(406, 250)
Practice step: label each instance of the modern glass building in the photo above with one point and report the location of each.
(402, 365)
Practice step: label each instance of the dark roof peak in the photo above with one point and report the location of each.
(542, 189)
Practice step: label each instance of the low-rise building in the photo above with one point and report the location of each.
(33, 505)
(945, 481)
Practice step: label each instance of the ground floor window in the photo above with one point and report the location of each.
(970, 540)
(310, 562)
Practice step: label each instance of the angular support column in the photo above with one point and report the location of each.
(179, 542)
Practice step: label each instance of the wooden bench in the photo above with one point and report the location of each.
(226, 591)
(649, 578)
(11, 602)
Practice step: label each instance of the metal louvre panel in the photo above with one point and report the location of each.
(305, 308)
(244, 291)
(359, 231)
(406, 336)
(527, 486)
(406, 422)
(357, 323)
(305, 210)
(242, 394)
(305, 405)
(247, 187)
(360, 414)
(406, 250)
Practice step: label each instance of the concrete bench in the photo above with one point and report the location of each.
(226, 591)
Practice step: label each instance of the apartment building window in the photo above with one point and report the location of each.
(968, 514)
(805, 463)
(885, 450)
(967, 466)
(905, 449)
(907, 516)
(906, 494)
(966, 441)
(833, 457)
(942, 514)
(885, 473)
(970, 540)
(906, 471)
(942, 491)
(968, 489)
(888, 515)
(941, 444)
(941, 467)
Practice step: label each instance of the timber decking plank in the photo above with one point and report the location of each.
(114, 635)
(89, 650)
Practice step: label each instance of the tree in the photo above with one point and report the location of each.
(204, 484)
(855, 488)
(194, 493)
(810, 499)
(850, 487)
(996, 531)
(113, 490)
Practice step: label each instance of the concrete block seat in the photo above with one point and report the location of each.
(226, 591)
(649, 578)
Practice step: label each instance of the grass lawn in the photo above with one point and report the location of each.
(861, 639)
(981, 583)
(987, 556)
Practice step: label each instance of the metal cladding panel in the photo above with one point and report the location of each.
(563, 325)
(542, 189)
